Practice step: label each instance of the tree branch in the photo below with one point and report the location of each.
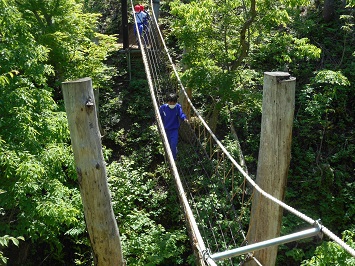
(243, 42)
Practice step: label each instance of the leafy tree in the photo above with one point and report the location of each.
(220, 37)
(42, 42)
(110, 14)
(330, 253)
(76, 48)
(4, 241)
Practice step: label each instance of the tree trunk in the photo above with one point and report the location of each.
(125, 34)
(240, 152)
(273, 162)
(186, 107)
(156, 9)
(213, 116)
(328, 10)
(86, 142)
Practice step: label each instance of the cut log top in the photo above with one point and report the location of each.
(77, 81)
(278, 74)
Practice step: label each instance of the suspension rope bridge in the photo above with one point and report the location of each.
(204, 170)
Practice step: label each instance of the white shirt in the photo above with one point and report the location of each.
(140, 17)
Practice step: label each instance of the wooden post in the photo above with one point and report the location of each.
(273, 162)
(186, 107)
(86, 142)
(124, 13)
(97, 98)
(156, 9)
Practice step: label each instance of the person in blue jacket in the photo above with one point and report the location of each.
(171, 113)
(140, 19)
(146, 19)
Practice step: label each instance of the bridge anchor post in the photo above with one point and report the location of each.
(273, 162)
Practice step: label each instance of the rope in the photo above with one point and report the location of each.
(189, 215)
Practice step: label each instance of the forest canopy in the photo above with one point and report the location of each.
(222, 49)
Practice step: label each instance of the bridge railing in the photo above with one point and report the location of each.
(214, 189)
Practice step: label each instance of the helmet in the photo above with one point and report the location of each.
(137, 8)
(142, 7)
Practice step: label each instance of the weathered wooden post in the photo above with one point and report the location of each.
(273, 162)
(186, 107)
(125, 34)
(86, 142)
(156, 9)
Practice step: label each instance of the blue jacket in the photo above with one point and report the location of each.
(171, 117)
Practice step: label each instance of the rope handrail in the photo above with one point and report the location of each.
(189, 215)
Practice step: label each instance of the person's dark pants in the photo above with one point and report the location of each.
(173, 137)
(140, 29)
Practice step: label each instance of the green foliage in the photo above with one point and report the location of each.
(322, 154)
(211, 34)
(226, 44)
(5, 77)
(36, 165)
(132, 188)
(76, 49)
(330, 253)
(280, 50)
(327, 91)
(202, 30)
(42, 42)
(350, 3)
(134, 118)
(148, 243)
(20, 53)
(323, 137)
(110, 14)
(4, 241)
(138, 200)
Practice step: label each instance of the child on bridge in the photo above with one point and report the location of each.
(171, 113)
(141, 19)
